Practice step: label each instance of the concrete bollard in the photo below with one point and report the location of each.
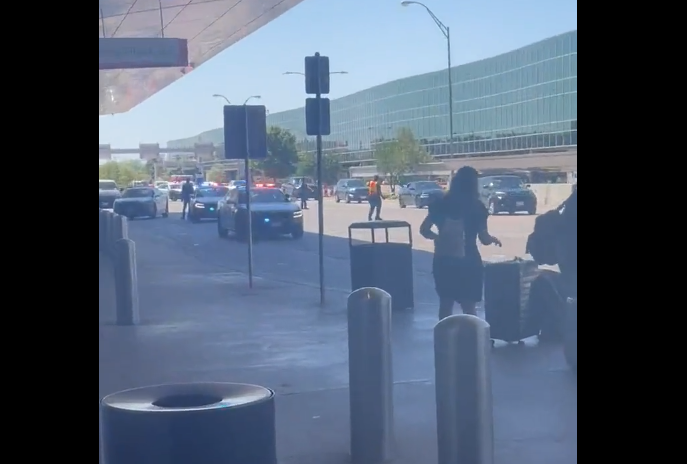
(209, 423)
(119, 229)
(102, 230)
(107, 248)
(465, 418)
(126, 283)
(371, 376)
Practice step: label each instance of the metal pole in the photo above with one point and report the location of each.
(126, 283)
(465, 418)
(102, 23)
(249, 209)
(162, 20)
(320, 205)
(371, 376)
(450, 93)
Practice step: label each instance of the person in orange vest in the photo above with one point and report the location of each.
(375, 198)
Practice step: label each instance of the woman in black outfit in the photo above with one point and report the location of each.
(461, 219)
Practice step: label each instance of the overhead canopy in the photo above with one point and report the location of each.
(209, 26)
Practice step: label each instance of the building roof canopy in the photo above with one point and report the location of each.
(210, 26)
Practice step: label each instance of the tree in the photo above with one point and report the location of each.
(123, 172)
(331, 168)
(216, 174)
(400, 156)
(282, 155)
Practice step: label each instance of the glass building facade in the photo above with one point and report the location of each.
(522, 100)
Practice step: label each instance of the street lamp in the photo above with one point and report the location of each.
(252, 97)
(219, 95)
(296, 73)
(447, 33)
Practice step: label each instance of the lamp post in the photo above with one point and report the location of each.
(249, 181)
(447, 33)
(219, 95)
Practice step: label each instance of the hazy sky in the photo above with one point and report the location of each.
(374, 40)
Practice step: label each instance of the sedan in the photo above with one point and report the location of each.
(419, 194)
(205, 202)
(142, 202)
(273, 214)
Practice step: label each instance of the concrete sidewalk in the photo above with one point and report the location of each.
(201, 323)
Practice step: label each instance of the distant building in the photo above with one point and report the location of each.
(522, 100)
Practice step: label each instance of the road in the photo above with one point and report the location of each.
(297, 260)
(201, 323)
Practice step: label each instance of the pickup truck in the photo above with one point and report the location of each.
(292, 187)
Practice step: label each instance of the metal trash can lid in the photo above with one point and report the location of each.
(377, 225)
(187, 397)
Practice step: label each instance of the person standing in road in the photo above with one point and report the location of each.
(375, 198)
(186, 195)
(303, 193)
(460, 218)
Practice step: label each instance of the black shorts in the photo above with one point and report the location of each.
(459, 279)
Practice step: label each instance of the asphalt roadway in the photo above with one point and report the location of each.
(202, 323)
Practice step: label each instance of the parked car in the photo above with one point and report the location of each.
(419, 194)
(108, 193)
(292, 187)
(507, 194)
(174, 192)
(142, 202)
(351, 191)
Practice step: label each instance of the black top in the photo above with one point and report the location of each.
(472, 213)
(187, 190)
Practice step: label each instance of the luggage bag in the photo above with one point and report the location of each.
(507, 297)
(548, 304)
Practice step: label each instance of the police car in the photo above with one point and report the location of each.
(273, 214)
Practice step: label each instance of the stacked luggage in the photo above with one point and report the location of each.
(522, 301)
(506, 300)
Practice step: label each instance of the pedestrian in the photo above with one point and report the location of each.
(567, 246)
(303, 193)
(375, 198)
(186, 195)
(460, 219)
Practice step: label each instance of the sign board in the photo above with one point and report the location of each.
(105, 152)
(149, 151)
(245, 132)
(204, 152)
(318, 116)
(317, 75)
(140, 53)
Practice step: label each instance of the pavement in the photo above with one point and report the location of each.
(202, 323)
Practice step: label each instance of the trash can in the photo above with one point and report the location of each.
(204, 423)
(382, 263)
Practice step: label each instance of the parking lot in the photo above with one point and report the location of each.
(512, 230)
